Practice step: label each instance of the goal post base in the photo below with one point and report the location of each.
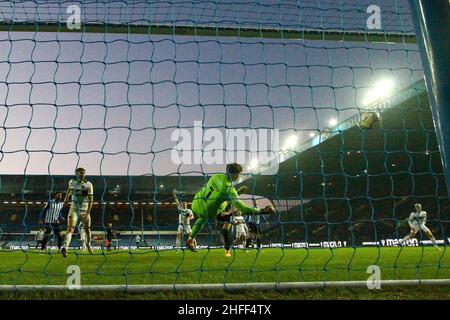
(219, 286)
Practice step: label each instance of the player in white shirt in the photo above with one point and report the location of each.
(185, 215)
(39, 238)
(81, 195)
(241, 229)
(417, 221)
(137, 240)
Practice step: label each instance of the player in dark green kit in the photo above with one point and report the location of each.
(213, 198)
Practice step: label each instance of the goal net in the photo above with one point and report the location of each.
(322, 102)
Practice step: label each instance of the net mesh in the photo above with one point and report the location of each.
(355, 143)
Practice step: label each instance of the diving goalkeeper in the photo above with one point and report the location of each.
(212, 198)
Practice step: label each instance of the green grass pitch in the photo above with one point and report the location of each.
(210, 266)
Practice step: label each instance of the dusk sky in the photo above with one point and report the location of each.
(110, 102)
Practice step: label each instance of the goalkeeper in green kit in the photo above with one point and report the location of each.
(213, 198)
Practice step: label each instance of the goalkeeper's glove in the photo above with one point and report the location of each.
(241, 189)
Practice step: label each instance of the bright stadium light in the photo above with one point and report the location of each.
(332, 122)
(253, 164)
(381, 89)
(384, 86)
(290, 143)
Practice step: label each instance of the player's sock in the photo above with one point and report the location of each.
(404, 239)
(433, 241)
(227, 238)
(178, 242)
(68, 240)
(44, 242)
(198, 225)
(87, 239)
(258, 241)
(60, 240)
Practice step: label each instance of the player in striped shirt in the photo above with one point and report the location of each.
(254, 233)
(51, 215)
(81, 195)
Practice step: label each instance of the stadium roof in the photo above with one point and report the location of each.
(398, 157)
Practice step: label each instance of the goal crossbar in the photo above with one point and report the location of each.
(214, 31)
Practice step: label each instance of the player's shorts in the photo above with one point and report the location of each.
(52, 227)
(184, 228)
(253, 227)
(240, 233)
(72, 218)
(224, 218)
(416, 227)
